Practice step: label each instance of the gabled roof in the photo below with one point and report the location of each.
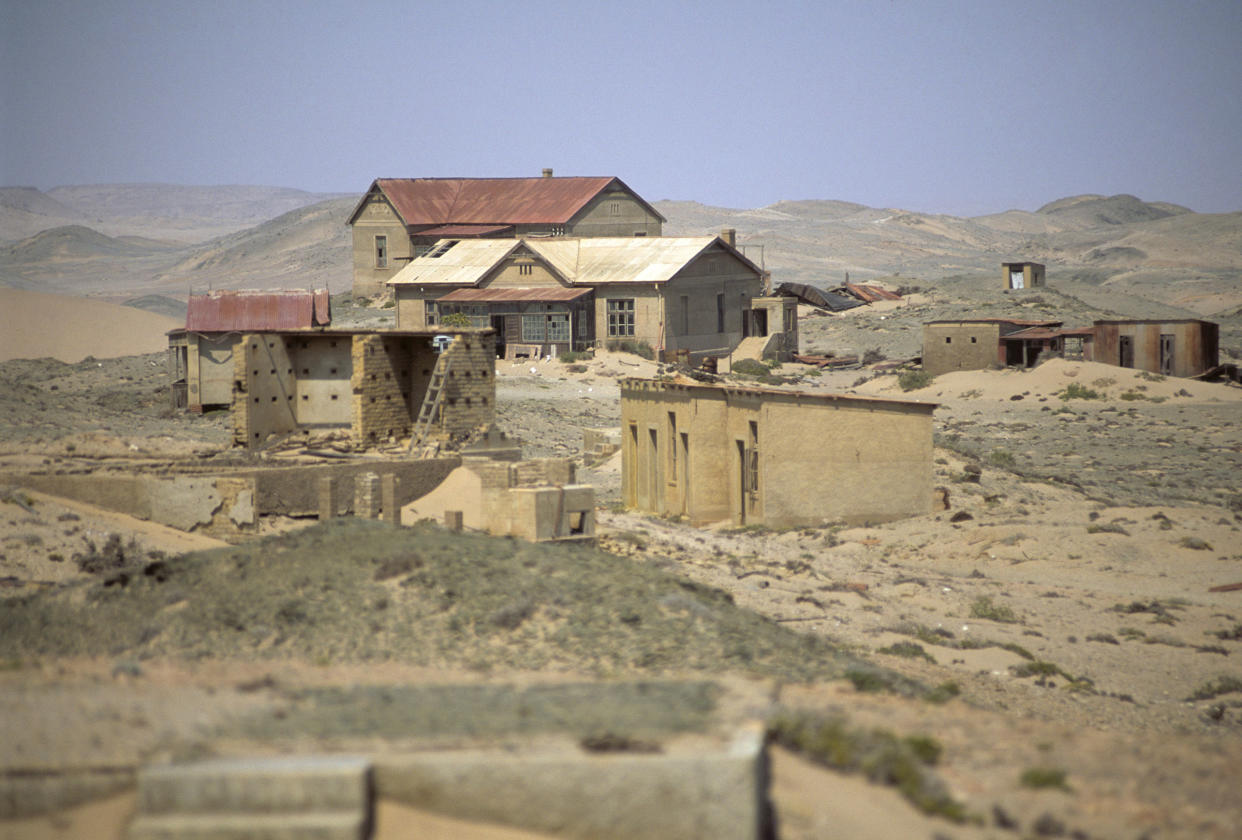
(585, 261)
(246, 310)
(462, 264)
(600, 260)
(491, 201)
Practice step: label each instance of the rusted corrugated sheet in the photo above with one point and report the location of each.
(242, 311)
(870, 294)
(442, 201)
(1031, 333)
(463, 231)
(503, 295)
(817, 297)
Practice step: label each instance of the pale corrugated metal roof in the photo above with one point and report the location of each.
(464, 264)
(620, 259)
(587, 261)
(508, 294)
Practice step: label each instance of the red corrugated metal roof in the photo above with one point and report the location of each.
(490, 201)
(1015, 321)
(489, 295)
(244, 311)
(463, 231)
(871, 293)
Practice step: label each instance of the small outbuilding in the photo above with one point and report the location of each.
(1186, 347)
(982, 343)
(1022, 275)
(776, 458)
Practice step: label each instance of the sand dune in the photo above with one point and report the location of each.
(37, 325)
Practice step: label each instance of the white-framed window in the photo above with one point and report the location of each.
(620, 317)
(381, 252)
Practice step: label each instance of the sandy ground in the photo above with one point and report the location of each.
(1090, 543)
(38, 325)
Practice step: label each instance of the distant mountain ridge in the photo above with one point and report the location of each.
(126, 241)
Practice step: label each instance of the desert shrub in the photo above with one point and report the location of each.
(457, 319)
(943, 693)
(1212, 689)
(750, 367)
(984, 608)
(910, 650)
(638, 348)
(884, 758)
(1001, 458)
(574, 356)
(872, 356)
(1075, 391)
(913, 380)
(1043, 778)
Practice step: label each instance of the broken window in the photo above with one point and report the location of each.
(442, 248)
(381, 252)
(620, 317)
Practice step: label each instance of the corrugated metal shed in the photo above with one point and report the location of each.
(245, 311)
(443, 201)
(508, 295)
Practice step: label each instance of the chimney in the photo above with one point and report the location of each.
(729, 235)
(547, 172)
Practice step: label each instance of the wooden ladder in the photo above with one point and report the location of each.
(432, 400)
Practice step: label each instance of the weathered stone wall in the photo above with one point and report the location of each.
(381, 384)
(470, 387)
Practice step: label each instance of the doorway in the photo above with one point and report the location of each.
(498, 325)
(1166, 354)
(1125, 351)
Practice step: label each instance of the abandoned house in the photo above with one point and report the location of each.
(399, 219)
(691, 295)
(200, 356)
(987, 342)
(1022, 275)
(776, 458)
(379, 385)
(1185, 347)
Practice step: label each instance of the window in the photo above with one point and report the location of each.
(429, 312)
(720, 313)
(534, 328)
(621, 318)
(614, 208)
(525, 269)
(558, 230)
(974, 340)
(381, 252)
(558, 328)
(948, 339)
(753, 465)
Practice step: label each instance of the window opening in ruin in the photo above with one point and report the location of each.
(442, 248)
(381, 252)
(672, 447)
(577, 522)
(1166, 354)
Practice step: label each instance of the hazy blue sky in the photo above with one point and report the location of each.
(955, 107)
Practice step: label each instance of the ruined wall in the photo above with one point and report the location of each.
(776, 458)
(381, 384)
(263, 389)
(961, 345)
(470, 387)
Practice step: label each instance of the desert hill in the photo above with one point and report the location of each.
(38, 325)
(1107, 256)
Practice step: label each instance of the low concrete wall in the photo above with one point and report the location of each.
(717, 794)
(221, 506)
(294, 491)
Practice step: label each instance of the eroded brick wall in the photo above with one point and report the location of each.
(381, 385)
